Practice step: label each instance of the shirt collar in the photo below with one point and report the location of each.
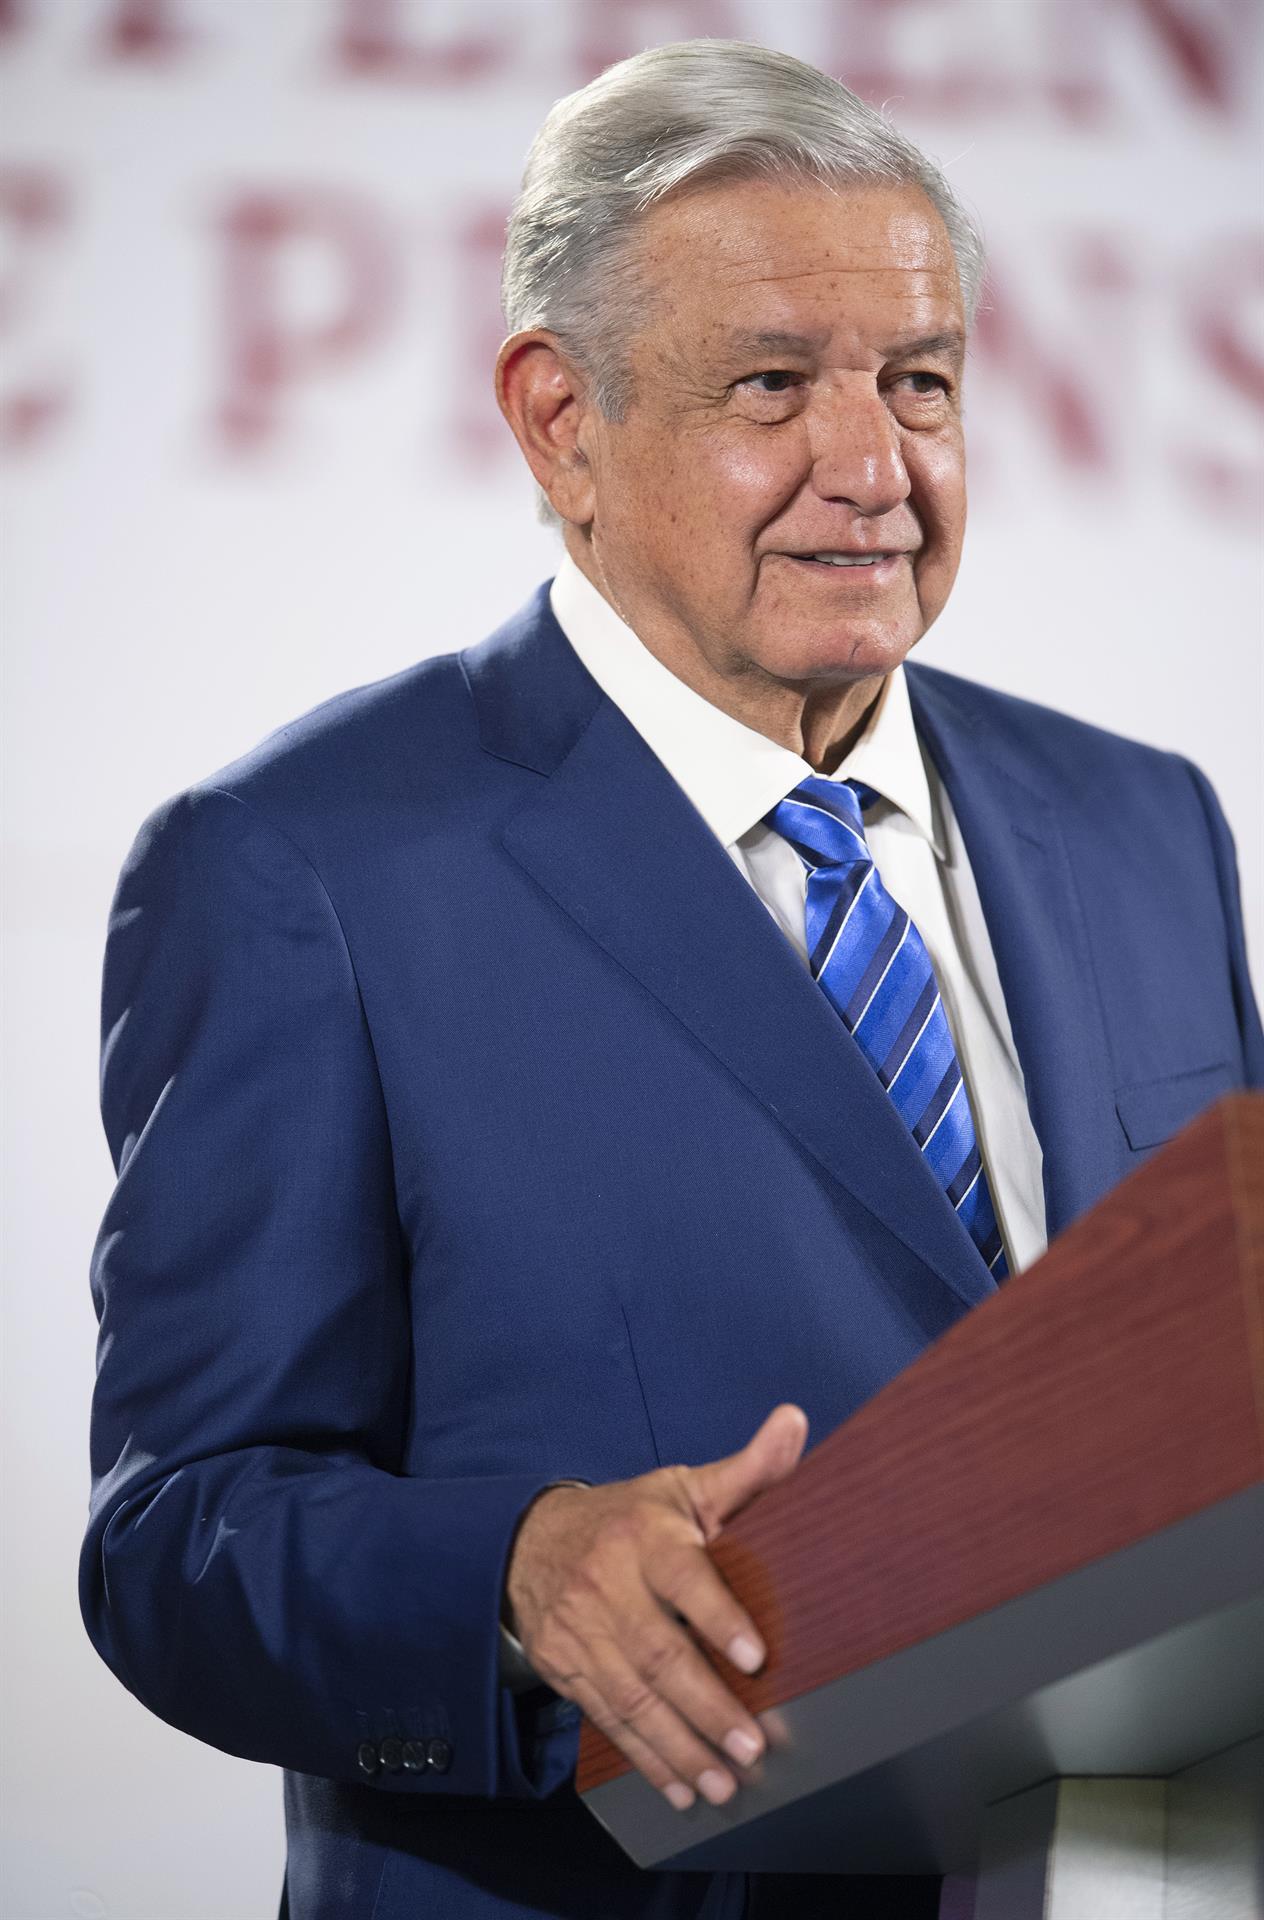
(732, 774)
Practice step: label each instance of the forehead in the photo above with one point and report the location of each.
(752, 257)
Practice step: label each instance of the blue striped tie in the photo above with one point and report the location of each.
(868, 956)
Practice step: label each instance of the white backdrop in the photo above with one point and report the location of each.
(250, 456)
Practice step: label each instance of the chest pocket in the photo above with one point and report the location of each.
(1151, 1111)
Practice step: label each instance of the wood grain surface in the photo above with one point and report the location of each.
(1115, 1387)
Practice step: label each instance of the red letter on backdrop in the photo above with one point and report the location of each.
(477, 436)
(34, 206)
(1226, 291)
(1229, 288)
(144, 30)
(1003, 337)
(618, 28)
(265, 355)
(1206, 60)
(372, 41)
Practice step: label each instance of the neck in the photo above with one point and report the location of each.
(819, 723)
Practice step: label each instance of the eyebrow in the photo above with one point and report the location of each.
(774, 341)
(953, 341)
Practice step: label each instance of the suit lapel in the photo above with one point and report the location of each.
(1036, 924)
(615, 843)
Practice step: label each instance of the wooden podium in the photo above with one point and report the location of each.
(1021, 1593)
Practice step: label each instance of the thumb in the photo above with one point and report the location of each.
(722, 1488)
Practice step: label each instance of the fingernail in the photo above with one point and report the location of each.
(716, 1786)
(745, 1652)
(743, 1746)
(681, 1796)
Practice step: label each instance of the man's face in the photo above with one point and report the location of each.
(796, 393)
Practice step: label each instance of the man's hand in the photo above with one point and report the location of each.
(600, 1579)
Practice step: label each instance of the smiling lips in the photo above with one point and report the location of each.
(834, 558)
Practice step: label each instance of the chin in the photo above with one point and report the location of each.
(841, 656)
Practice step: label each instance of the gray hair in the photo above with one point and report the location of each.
(696, 113)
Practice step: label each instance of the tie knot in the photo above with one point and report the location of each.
(822, 821)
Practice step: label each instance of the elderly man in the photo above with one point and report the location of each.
(546, 1083)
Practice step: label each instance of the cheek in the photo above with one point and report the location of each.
(937, 475)
(747, 480)
(938, 479)
(700, 501)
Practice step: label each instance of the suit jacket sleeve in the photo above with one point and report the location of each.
(256, 1570)
(1227, 876)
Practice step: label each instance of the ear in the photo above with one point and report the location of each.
(543, 397)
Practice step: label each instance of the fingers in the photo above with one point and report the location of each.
(629, 1742)
(673, 1669)
(722, 1488)
(643, 1681)
(662, 1704)
(687, 1581)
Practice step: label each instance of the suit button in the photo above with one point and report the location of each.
(392, 1752)
(366, 1757)
(438, 1756)
(414, 1756)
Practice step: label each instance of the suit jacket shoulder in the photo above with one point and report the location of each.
(404, 734)
(1055, 750)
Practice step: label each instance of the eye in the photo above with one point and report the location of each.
(779, 380)
(926, 383)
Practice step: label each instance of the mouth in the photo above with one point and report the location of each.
(839, 557)
(875, 567)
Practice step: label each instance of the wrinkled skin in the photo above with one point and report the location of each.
(796, 389)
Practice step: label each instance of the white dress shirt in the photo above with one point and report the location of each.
(733, 776)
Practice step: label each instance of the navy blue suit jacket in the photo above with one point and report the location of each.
(476, 1126)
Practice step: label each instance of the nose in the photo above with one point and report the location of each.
(856, 455)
